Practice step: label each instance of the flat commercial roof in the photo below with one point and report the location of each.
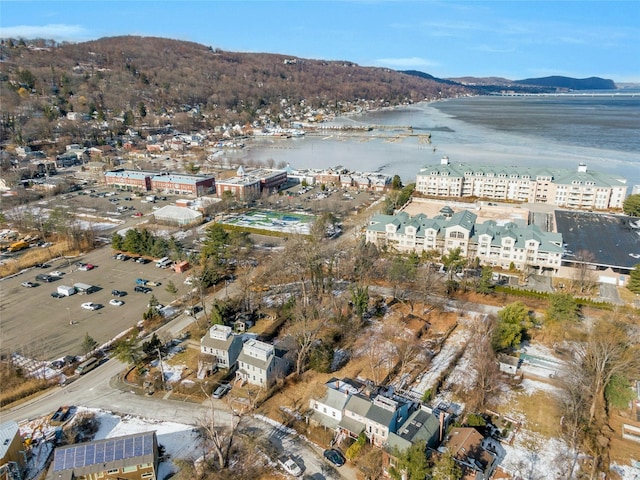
(610, 240)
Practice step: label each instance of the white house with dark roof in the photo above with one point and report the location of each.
(223, 345)
(258, 364)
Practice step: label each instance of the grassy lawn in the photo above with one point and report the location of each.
(540, 410)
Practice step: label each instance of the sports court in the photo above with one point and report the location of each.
(288, 222)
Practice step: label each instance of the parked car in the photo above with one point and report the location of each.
(115, 302)
(141, 281)
(57, 295)
(56, 273)
(45, 278)
(335, 457)
(124, 258)
(141, 289)
(29, 284)
(43, 265)
(192, 310)
(290, 466)
(118, 293)
(143, 260)
(159, 306)
(222, 390)
(90, 306)
(86, 267)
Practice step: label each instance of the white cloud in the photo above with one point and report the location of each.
(489, 49)
(55, 31)
(408, 62)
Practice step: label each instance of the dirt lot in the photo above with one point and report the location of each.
(57, 326)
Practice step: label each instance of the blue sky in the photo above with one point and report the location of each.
(512, 39)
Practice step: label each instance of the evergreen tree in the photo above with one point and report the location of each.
(634, 279)
(88, 344)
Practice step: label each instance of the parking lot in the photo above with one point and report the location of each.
(38, 325)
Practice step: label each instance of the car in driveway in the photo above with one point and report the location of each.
(222, 390)
(141, 289)
(29, 284)
(115, 302)
(334, 456)
(289, 465)
(90, 306)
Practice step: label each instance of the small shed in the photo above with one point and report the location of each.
(509, 364)
(181, 267)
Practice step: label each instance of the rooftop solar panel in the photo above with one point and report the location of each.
(100, 453)
(103, 451)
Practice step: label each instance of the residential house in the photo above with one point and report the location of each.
(466, 445)
(423, 425)
(223, 345)
(384, 416)
(258, 364)
(327, 410)
(376, 417)
(130, 457)
(12, 452)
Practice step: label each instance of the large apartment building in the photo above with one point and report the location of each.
(581, 189)
(492, 244)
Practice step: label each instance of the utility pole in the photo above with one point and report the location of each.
(161, 367)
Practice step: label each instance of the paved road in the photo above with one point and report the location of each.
(100, 389)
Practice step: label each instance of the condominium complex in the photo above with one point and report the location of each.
(581, 189)
(492, 244)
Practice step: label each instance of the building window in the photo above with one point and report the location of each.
(132, 468)
(112, 471)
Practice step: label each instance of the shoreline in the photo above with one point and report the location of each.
(393, 152)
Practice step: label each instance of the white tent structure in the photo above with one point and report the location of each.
(172, 215)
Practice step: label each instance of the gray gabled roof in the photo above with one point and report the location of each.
(358, 404)
(8, 431)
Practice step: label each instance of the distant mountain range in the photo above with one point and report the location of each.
(528, 85)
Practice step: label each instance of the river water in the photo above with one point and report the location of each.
(545, 131)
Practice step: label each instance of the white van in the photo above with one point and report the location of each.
(163, 262)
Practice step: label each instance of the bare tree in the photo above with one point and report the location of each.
(607, 352)
(584, 276)
(217, 438)
(304, 329)
(487, 381)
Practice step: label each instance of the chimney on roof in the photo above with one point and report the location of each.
(582, 168)
(444, 160)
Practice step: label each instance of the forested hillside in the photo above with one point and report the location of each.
(43, 81)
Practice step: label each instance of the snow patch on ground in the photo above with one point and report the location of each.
(627, 472)
(443, 360)
(535, 457)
